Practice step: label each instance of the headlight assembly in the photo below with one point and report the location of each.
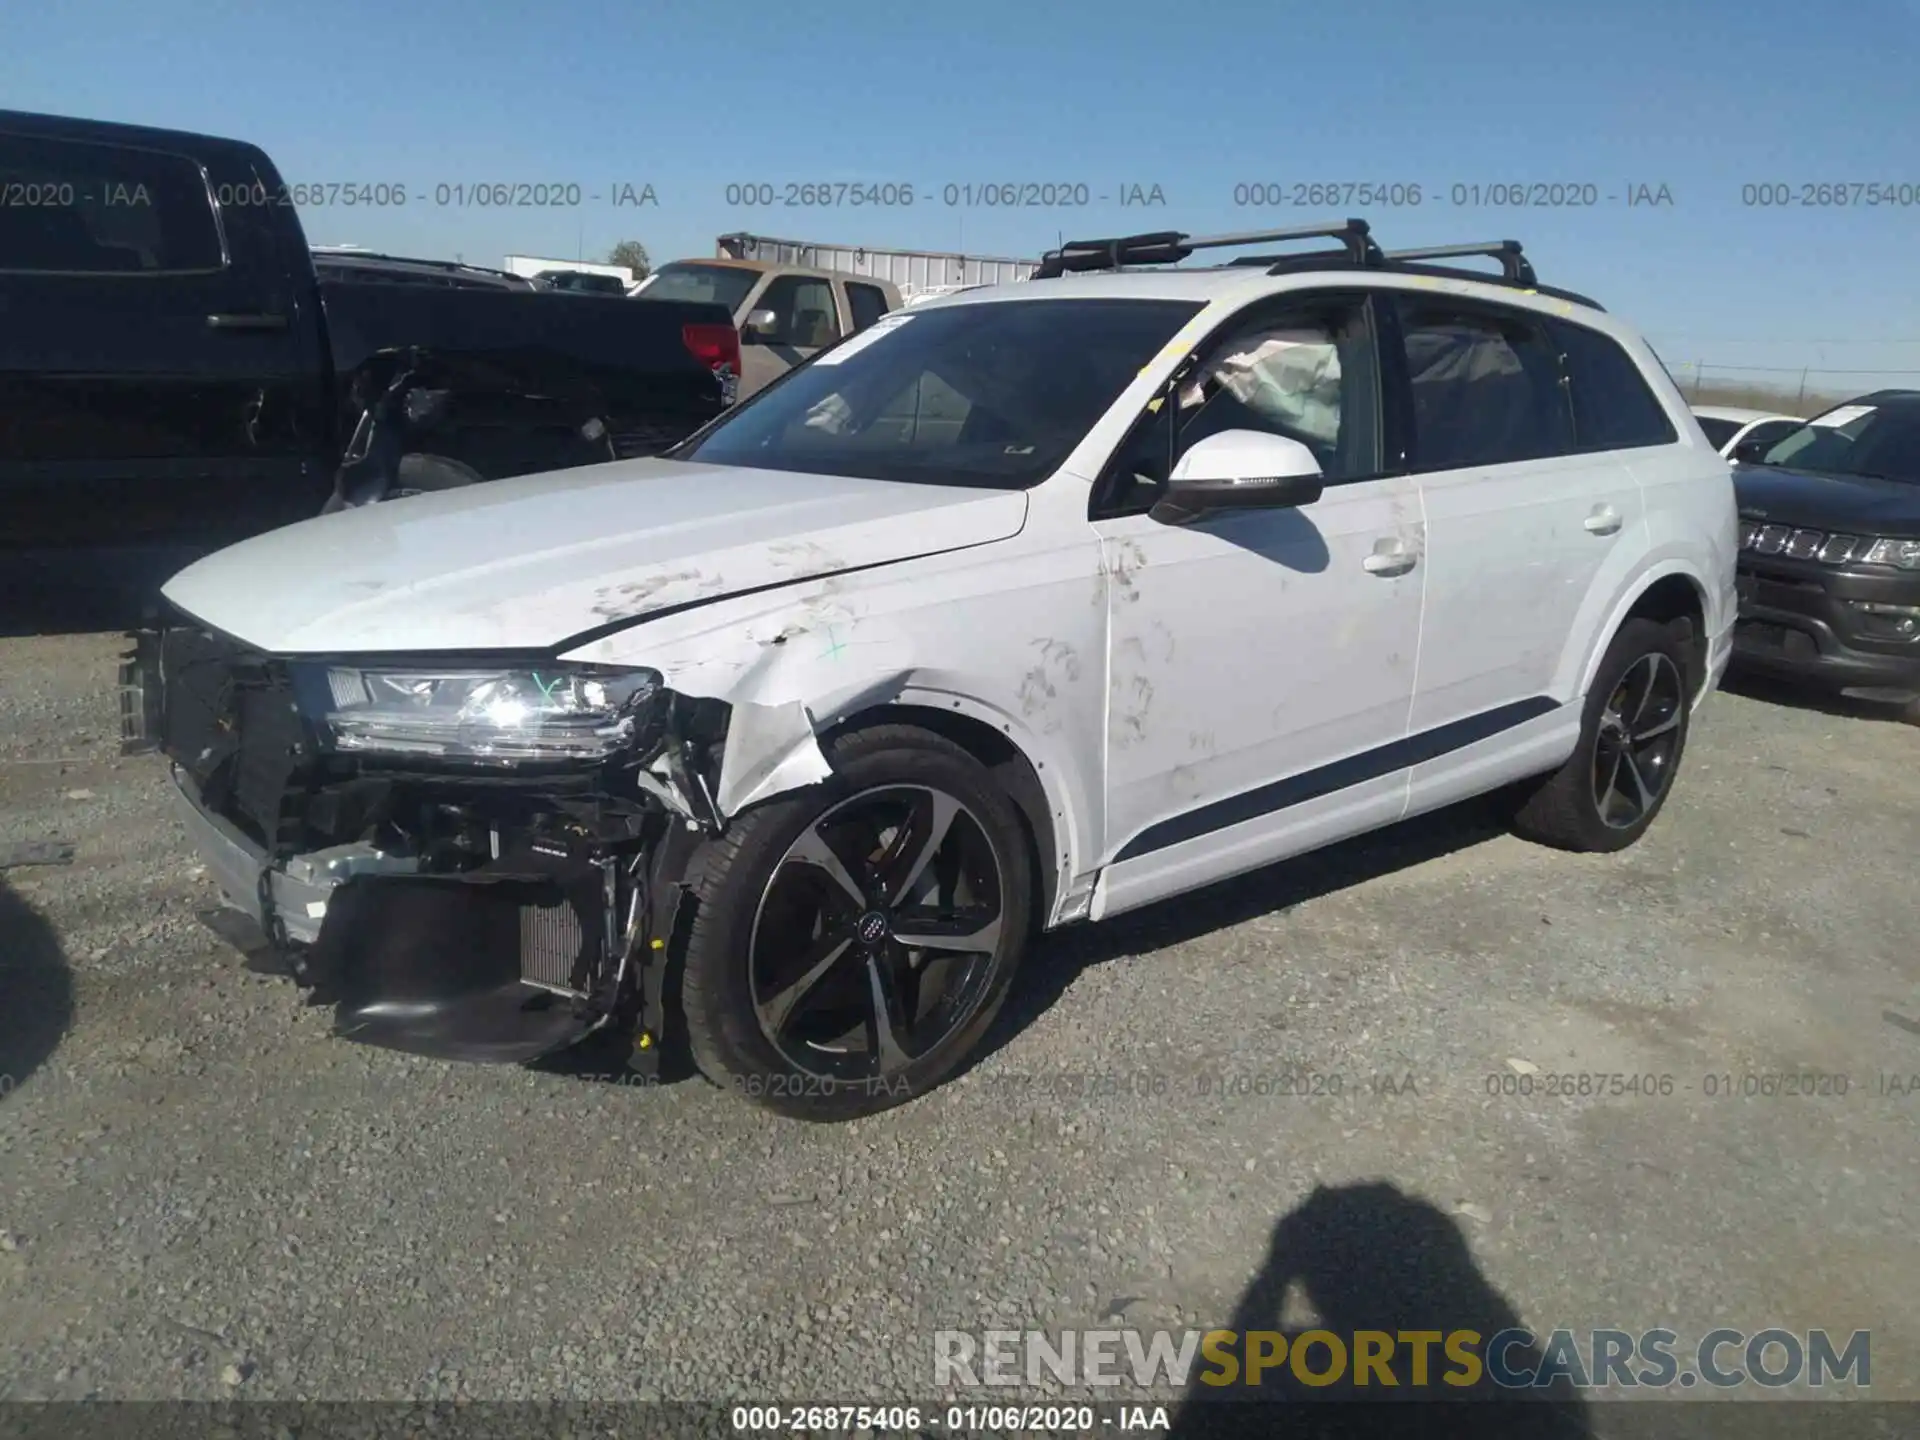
(1904, 553)
(566, 712)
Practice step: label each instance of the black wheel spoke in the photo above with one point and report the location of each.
(889, 1027)
(976, 928)
(1642, 793)
(813, 848)
(914, 848)
(1658, 728)
(1638, 687)
(778, 1009)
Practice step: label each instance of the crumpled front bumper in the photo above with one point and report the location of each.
(430, 965)
(297, 896)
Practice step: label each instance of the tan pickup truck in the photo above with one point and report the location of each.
(784, 312)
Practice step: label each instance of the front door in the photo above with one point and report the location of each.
(151, 367)
(1261, 662)
(805, 319)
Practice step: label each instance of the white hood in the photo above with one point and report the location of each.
(529, 562)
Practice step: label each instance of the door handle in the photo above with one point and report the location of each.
(246, 322)
(1389, 558)
(1605, 520)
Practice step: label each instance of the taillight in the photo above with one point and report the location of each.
(715, 346)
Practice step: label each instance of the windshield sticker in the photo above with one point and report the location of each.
(881, 327)
(1845, 415)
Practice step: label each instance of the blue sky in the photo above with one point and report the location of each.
(1703, 99)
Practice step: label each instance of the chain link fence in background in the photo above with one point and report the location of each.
(1791, 390)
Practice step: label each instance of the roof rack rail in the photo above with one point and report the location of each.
(1170, 247)
(1515, 266)
(1358, 252)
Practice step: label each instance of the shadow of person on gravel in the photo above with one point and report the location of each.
(1056, 961)
(1370, 1257)
(36, 991)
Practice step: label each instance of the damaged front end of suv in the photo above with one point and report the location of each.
(476, 859)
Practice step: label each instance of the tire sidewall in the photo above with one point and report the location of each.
(747, 1061)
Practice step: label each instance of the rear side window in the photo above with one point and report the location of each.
(80, 208)
(1486, 387)
(1613, 406)
(867, 302)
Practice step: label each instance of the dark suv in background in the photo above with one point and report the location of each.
(1830, 551)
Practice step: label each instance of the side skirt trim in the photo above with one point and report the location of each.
(1340, 775)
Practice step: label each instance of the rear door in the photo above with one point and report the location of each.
(158, 372)
(1526, 521)
(806, 318)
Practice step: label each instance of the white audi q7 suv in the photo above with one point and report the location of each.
(1026, 606)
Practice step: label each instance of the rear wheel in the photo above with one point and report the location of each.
(1632, 735)
(854, 941)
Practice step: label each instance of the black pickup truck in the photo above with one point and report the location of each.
(178, 370)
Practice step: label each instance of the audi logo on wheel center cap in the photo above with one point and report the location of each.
(872, 928)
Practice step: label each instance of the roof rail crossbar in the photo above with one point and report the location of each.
(1169, 247)
(1305, 259)
(1515, 266)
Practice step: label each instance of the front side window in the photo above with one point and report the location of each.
(994, 394)
(803, 313)
(73, 207)
(1486, 387)
(1306, 373)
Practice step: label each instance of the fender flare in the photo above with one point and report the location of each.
(1069, 813)
(1630, 595)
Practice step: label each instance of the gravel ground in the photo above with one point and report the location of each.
(202, 1194)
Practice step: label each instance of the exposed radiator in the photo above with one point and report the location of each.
(553, 947)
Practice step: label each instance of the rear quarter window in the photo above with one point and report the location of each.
(1613, 406)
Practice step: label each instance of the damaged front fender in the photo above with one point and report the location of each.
(953, 638)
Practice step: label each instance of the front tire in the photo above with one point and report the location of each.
(1632, 735)
(853, 941)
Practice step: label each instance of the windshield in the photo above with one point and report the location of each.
(724, 285)
(994, 394)
(1881, 441)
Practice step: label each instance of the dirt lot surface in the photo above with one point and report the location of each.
(202, 1193)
